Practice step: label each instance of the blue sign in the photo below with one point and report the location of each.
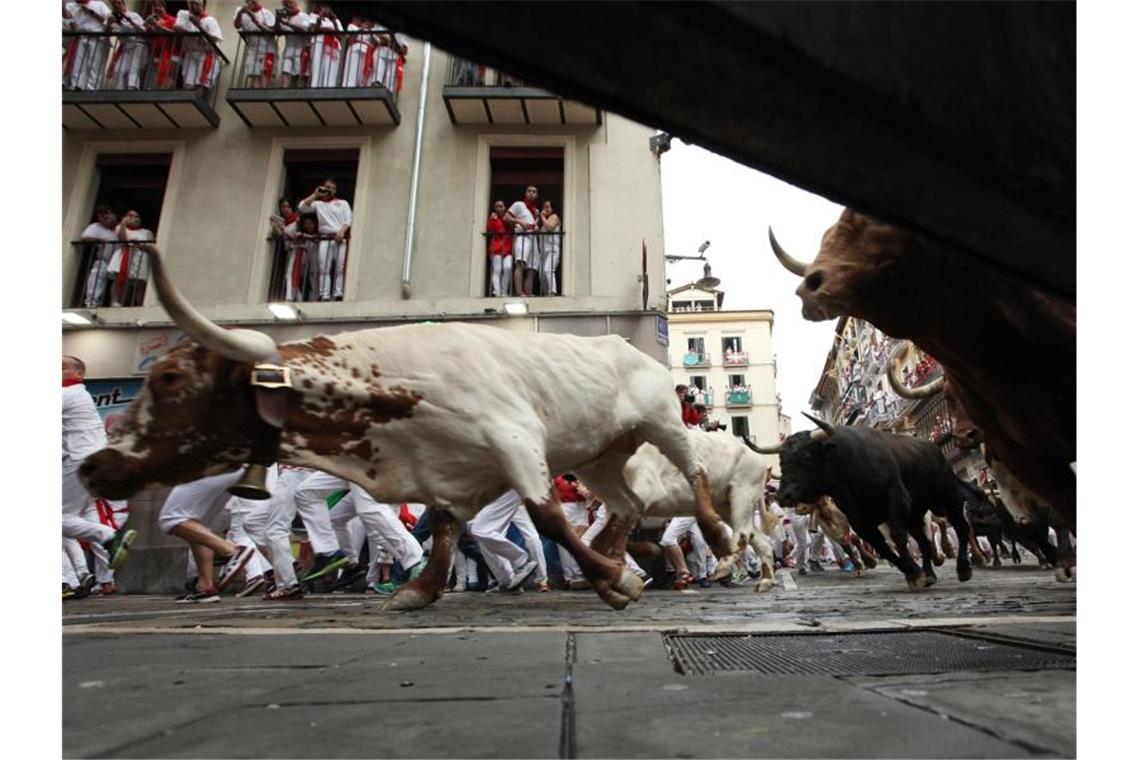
(663, 329)
(112, 397)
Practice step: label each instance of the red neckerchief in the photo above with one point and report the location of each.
(71, 381)
(533, 208)
(292, 218)
(257, 7)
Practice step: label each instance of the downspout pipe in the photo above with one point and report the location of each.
(413, 193)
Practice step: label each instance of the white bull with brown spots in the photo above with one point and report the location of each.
(450, 415)
(657, 488)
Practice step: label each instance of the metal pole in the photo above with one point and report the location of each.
(406, 280)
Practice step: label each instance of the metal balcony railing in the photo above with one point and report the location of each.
(289, 60)
(464, 73)
(694, 359)
(146, 61)
(707, 398)
(736, 358)
(542, 252)
(112, 273)
(307, 268)
(738, 396)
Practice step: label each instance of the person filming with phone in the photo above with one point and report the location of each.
(334, 222)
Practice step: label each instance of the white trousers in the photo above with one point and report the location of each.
(600, 520)
(677, 528)
(549, 256)
(248, 521)
(501, 269)
(577, 515)
(96, 283)
(127, 69)
(331, 260)
(354, 62)
(200, 69)
(489, 529)
(283, 507)
(70, 575)
(90, 59)
(324, 63)
(78, 506)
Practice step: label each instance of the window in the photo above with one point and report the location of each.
(740, 427)
(699, 381)
(736, 381)
(313, 269)
(697, 346)
(682, 306)
(513, 170)
(734, 344)
(115, 275)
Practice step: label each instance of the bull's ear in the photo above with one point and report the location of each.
(848, 216)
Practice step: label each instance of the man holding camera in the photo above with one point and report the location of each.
(295, 58)
(200, 67)
(260, 46)
(334, 219)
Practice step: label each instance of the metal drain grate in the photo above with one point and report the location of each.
(881, 653)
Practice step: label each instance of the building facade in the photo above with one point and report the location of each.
(203, 138)
(726, 359)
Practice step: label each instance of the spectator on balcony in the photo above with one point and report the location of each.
(334, 222)
(128, 266)
(101, 232)
(389, 52)
(358, 61)
(129, 61)
(164, 50)
(200, 64)
(326, 47)
(258, 23)
(499, 251)
(295, 58)
(523, 216)
(86, 54)
(550, 249)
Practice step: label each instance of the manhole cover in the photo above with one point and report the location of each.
(880, 653)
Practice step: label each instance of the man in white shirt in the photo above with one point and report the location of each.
(325, 62)
(83, 434)
(523, 215)
(200, 62)
(390, 47)
(334, 219)
(130, 58)
(295, 61)
(102, 233)
(127, 270)
(260, 47)
(86, 54)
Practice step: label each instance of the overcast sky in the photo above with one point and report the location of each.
(708, 197)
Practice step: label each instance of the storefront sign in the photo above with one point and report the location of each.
(112, 397)
(149, 349)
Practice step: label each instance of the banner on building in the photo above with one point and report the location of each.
(149, 349)
(112, 397)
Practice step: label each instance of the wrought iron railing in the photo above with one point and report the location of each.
(695, 359)
(464, 73)
(540, 255)
(286, 60)
(738, 396)
(736, 358)
(307, 268)
(111, 273)
(141, 61)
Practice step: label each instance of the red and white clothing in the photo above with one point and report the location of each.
(300, 261)
(283, 507)
(326, 52)
(499, 251)
(298, 47)
(385, 58)
(549, 255)
(86, 56)
(524, 243)
(165, 51)
(332, 256)
(128, 63)
(503, 557)
(260, 47)
(358, 62)
(200, 61)
(83, 434)
(129, 267)
(100, 259)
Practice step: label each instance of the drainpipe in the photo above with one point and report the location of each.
(406, 280)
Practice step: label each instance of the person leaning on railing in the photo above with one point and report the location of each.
(550, 249)
(326, 47)
(129, 60)
(334, 219)
(499, 251)
(127, 269)
(102, 233)
(86, 54)
(164, 50)
(260, 44)
(296, 56)
(200, 65)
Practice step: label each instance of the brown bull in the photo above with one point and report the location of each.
(1008, 349)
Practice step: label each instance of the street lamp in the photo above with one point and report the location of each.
(708, 281)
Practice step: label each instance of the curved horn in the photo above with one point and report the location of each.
(896, 381)
(762, 449)
(795, 267)
(241, 345)
(826, 428)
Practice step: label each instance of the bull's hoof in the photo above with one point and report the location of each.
(939, 559)
(629, 585)
(724, 567)
(917, 582)
(931, 579)
(979, 561)
(762, 585)
(1065, 574)
(408, 597)
(615, 599)
(965, 572)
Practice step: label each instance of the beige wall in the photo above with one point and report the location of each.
(224, 183)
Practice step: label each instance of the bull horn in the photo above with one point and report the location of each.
(896, 381)
(826, 429)
(795, 267)
(762, 449)
(240, 345)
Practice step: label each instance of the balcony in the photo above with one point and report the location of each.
(306, 268)
(305, 80)
(109, 274)
(152, 80)
(738, 396)
(476, 94)
(695, 359)
(546, 249)
(736, 358)
(707, 398)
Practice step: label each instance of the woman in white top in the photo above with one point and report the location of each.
(550, 249)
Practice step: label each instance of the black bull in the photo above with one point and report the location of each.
(878, 478)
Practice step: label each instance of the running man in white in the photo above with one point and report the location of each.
(510, 565)
(200, 62)
(86, 54)
(84, 434)
(334, 219)
(676, 530)
(283, 508)
(257, 22)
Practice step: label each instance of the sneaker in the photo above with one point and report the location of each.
(815, 566)
(704, 582)
(646, 581)
(542, 586)
(117, 547)
(417, 569)
(579, 584)
(848, 566)
(323, 564)
(383, 589)
(285, 593)
(252, 585)
(107, 589)
(86, 585)
(519, 576)
(68, 592)
(234, 566)
(349, 575)
(200, 597)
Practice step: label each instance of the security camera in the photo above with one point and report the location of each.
(704, 247)
(659, 143)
